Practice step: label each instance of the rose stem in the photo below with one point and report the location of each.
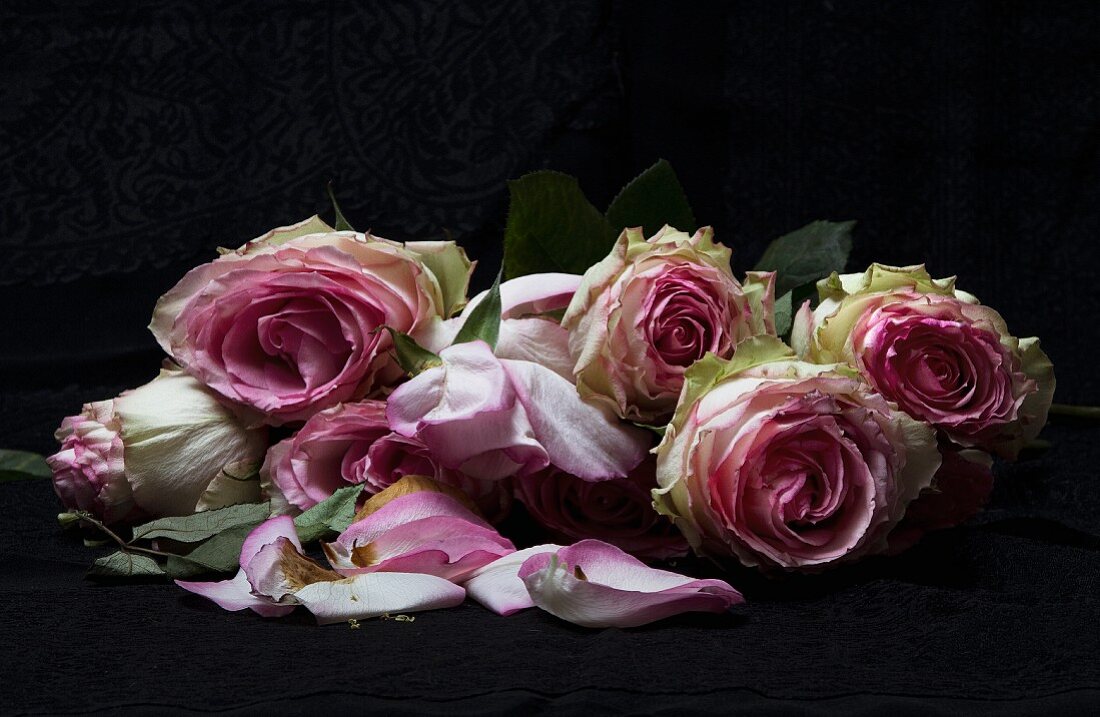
(1065, 409)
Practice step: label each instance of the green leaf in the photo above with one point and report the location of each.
(411, 356)
(552, 227)
(484, 320)
(341, 223)
(789, 303)
(126, 565)
(22, 465)
(651, 200)
(200, 526)
(332, 515)
(808, 254)
(219, 554)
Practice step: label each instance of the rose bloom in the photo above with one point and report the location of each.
(166, 448)
(935, 351)
(653, 307)
(787, 464)
(351, 444)
(617, 511)
(290, 323)
(495, 418)
(959, 489)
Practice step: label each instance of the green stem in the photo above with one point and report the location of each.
(1065, 409)
(122, 544)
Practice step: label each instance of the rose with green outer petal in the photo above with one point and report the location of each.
(652, 308)
(788, 464)
(290, 324)
(935, 351)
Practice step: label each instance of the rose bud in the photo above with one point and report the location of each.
(651, 309)
(617, 511)
(935, 351)
(290, 323)
(351, 444)
(788, 464)
(166, 448)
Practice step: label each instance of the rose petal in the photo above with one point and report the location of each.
(536, 340)
(423, 532)
(584, 439)
(497, 585)
(532, 294)
(375, 594)
(594, 584)
(236, 594)
(407, 508)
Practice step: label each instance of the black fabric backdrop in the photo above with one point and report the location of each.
(137, 137)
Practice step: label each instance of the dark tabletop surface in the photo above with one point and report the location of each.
(137, 137)
(998, 616)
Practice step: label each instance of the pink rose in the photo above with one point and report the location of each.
(289, 324)
(653, 307)
(393, 456)
(89, 471)
(494, 418)
(939, 354)
(351, 444)
(166, 448)
(959, 489)
(330, 451)
(788, 464)
(618, 511)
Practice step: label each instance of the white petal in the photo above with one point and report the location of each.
(498, 587)
(374, 594)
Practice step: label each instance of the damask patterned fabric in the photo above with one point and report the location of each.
(135, 138)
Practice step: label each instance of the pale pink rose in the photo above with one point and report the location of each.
(291, 323)
(166, 448)
(935, 351)
(617, 511)
(653, 307)
(494, 418)
(352, 444)
(787, 464)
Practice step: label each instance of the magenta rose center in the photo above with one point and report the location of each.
(945, 372)
(686, 318)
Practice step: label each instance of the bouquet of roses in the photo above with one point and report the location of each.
(333, 395)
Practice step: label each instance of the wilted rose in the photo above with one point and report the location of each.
(290, 323)
(166, 448)
(653, 307)
(788, 464)
(935, 351)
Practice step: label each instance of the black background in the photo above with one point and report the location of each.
(136, 138)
